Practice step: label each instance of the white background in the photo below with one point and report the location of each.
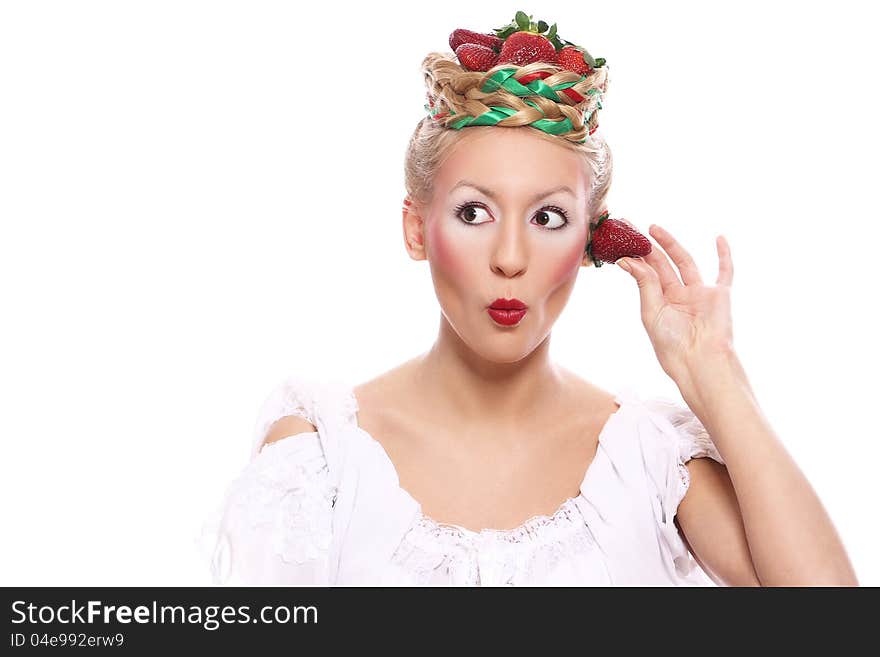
(199, 198)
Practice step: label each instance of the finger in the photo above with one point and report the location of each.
(658, 260)
(690, 274)
(650, 290)
(725, 263)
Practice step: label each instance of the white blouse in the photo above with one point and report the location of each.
(326, 508)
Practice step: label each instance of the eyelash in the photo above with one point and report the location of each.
(554, 208)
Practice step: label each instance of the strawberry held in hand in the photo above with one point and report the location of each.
(612, 239)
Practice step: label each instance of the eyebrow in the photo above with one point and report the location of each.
(494, 196)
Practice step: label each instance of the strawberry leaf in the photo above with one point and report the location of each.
(504, 32)
(588, 58)
(552, 32)
(522, 21)
(542, 27)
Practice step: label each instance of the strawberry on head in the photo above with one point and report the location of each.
(525, 47)
(522, 41)
(476, 57)
(574, 59)
(461, 36)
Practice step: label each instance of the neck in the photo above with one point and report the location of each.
(482, 391)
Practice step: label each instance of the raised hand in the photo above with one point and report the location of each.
(687, 321)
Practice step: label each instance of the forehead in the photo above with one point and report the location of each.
(511, 161)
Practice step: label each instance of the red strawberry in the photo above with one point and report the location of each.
(522, 48)
(461, 36)
(475, 57)
(572, 59)
(613, 238)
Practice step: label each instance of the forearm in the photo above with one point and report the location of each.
(791, 537)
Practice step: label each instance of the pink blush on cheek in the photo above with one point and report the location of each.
(444, 250)
(567, 266)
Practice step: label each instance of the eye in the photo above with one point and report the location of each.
(469, 213)
(544, 216)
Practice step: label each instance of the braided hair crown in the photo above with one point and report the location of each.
(539, 94)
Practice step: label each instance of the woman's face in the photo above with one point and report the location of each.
(502, 225)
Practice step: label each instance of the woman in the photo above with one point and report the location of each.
(481, 461)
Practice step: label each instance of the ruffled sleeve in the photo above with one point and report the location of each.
(274, 523)
(680, 437)
(691, 441)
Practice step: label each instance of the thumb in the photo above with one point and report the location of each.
(628, 266)
(650, 290)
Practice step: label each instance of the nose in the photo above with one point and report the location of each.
(510, 252)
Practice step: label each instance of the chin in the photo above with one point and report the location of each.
(494, 342)
(505, 346)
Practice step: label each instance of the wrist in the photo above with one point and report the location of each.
(711, 377)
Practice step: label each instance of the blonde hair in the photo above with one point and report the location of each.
(452, 87)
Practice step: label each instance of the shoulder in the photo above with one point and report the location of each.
(582, 394)
(585, 409)
(287, 426)
(388, 401)
(304, 404)
(669, 437)
(679, 424)
(689, 455)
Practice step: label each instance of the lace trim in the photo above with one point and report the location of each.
(433, 552)
(532, 529)
(290, 495)
(684, 480)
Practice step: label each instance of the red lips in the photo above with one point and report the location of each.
(508, 304)
(507, 312)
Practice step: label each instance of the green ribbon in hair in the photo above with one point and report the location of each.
(496, 114)
(503, 79)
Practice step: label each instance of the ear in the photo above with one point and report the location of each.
(587, 261)
(413, 230)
